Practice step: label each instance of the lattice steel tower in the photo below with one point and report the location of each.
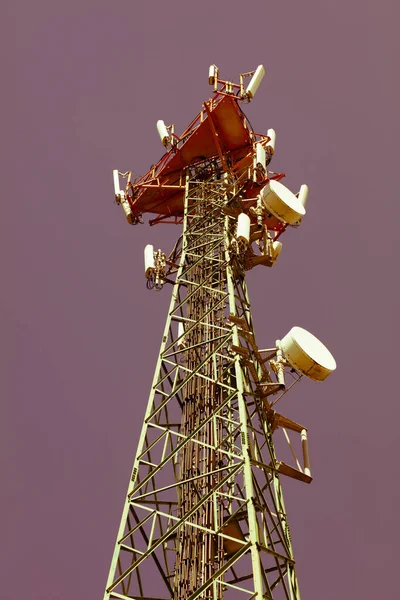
(204, 515)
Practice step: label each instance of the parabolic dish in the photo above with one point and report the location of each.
(282, 203)
(305, 353)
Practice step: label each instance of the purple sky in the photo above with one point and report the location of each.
(82, 89)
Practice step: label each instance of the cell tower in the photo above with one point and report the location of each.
(204, 515)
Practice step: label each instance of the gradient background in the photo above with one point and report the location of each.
(83, 84)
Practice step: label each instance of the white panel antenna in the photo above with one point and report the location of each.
(243, 229)
(276, 248)
(260, 156)
(149, 264)
(117, 191)
(255, 82)
(212, 74)
(181, 335)
(303, 194)
(271, 134)
(163, 132)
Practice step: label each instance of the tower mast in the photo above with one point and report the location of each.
(204, 515)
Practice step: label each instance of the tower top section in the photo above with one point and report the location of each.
(220, 136)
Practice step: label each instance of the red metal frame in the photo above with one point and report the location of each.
(220, 131)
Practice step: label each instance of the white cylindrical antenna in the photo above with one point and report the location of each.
(117, 189)
(243, 228)
(212, 74)
(260, 156)
(163, 133)
(271, 144)
(255, 82)
(127, 209)
(303, 194)
(276, 248)
(149, 265)
(181, 335)
(305, 353)
(306, 455)
(282, 203)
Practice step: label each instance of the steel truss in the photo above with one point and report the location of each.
(204, 515)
